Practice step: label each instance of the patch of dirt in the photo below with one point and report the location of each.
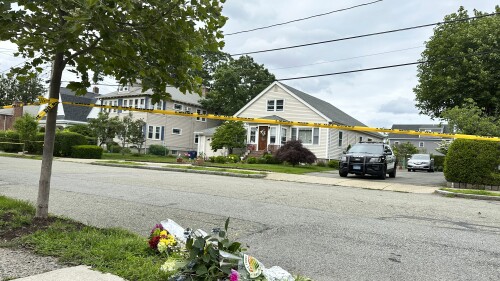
(36, 224)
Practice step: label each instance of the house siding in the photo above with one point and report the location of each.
(293, 110)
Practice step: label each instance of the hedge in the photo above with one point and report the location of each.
(438, 162)
(157, 149)
(473, 162)
(10, 136)
(65, 142)
(87, 151)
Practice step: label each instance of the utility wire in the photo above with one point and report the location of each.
(364, 35)
(302, 19)
(382, 67)
(350, 58)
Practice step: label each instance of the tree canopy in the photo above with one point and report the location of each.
(461, 61)
(231, 134)
(471, 120)
(235, 83)
(25, 90)
(153, 42)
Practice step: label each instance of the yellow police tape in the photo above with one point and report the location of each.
(53, 102)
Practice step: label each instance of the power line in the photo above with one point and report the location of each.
(350, 58)
(302, 19)
(364, 35)
(380, 67)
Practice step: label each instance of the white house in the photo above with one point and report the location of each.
(282, 102)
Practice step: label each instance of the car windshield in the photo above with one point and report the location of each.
(421, 157)
(367, 148)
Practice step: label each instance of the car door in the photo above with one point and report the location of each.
(390, 158)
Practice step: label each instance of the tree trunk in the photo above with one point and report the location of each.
(42, 207)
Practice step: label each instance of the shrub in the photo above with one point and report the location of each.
(87, 151)
(252, 160)
(126, 150)
(294, 153)
(271, 159)
(156, 149)
(333, 164)
(211, 159)
(13, 137)
(321, 163)
(220, 159)
(233, 158)
(65, 142)
(262, 160)
(472, 161)
(438, 160)
(91, 140)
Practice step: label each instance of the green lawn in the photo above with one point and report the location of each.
(472, 191)
(202, 168)
(278, 168)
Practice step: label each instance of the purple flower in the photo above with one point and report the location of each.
(158, 225)
(234, 275)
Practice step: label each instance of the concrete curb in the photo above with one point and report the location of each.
(229, 174)
(468, 196)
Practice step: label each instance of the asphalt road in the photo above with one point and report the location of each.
(324, 232)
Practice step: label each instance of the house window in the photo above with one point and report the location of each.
(176, 131)
(136, 103)
(115, 103)
(341, 135)
(125, 104)
(283, 135)
(202, 119)
(253, 133)
(173, 152)
(306, 135)
(315, 135)
(360, 139)
(143, 103)
(196, 138)
(177, 106)
(272, 135)
(421, 144)
(157, 133)
(150, 132)
(369, 139)
(275, 105)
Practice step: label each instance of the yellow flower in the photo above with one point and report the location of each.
(163, 233)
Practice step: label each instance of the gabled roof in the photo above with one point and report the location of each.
(73, 112)
(207, 132)
(134, 91)
(327, 110)
(416, 127)
(274, 117)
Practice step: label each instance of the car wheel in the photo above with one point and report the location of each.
(384, 173)
(409, 170)
(393, 173)
(342, 174)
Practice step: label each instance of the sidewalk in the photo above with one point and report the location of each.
(76, 273)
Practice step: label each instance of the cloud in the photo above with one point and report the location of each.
(400, 105)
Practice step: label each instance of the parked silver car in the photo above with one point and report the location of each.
(421, 162)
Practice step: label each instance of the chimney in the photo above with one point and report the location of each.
(18, 109)
(95, 90)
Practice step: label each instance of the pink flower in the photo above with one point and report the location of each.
(234, 275)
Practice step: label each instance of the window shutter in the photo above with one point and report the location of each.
(162, 133)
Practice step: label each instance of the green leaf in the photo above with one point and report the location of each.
(201, 269)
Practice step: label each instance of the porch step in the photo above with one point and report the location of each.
(256, 153)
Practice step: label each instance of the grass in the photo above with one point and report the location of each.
(112, 250)
(472, 191)
(121, 162)
(277, 168)
(201, 168)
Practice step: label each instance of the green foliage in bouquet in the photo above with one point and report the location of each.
(205, 261)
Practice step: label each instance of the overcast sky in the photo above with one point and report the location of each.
(377, 98)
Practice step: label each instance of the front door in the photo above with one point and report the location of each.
(263, 137)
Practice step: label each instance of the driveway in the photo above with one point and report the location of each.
(435, 179)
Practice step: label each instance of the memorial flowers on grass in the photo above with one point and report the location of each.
(161, 241)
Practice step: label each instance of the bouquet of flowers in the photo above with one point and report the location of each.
(160, 240)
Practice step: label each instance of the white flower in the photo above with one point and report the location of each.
(169, 265)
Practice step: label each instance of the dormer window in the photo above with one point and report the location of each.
(123, 89)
